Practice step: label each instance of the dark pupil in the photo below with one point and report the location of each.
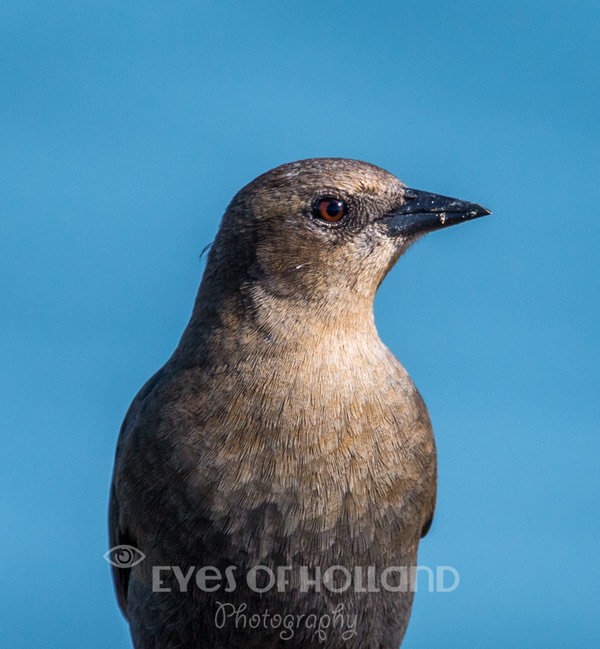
(334, 208)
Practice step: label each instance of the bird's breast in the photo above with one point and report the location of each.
(307, 448)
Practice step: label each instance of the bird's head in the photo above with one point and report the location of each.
(327, 227)
(321, 232)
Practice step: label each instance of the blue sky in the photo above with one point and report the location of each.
(125, 130)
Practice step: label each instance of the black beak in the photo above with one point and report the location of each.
(424, 212)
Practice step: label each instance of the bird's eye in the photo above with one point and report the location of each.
(330, 209)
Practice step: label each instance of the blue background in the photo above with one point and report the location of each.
(126, 129)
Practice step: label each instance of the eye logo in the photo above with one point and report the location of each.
(124, 556)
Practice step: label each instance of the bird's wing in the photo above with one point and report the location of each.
(427, 525)
(119, 536)
(429, 519)
(118, 529)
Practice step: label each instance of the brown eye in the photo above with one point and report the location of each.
(331, 210)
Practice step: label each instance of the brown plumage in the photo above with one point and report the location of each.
(282, 432)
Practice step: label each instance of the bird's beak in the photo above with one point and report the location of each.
(424, 212)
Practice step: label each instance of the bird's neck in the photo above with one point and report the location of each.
(252, 321)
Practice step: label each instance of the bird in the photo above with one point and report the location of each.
(277, 474)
